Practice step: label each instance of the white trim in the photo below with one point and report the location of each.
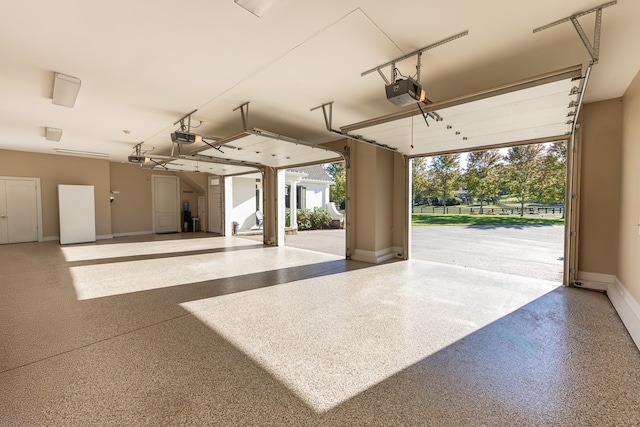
(627, 307)
(371, 257)
(104, 236)
(132, 233)
(596, 281)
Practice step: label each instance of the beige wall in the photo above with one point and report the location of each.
(53, 170)
(131, 211)
(600, 163)
(362, 197)
(384, 180)
(400, 203)
(629, 207)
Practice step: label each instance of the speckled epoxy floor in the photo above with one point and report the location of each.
(223, 331)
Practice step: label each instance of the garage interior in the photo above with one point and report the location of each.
(205, 328)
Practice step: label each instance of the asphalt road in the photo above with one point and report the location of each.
(530, 251)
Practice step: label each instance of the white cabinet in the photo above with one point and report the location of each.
(77, 214)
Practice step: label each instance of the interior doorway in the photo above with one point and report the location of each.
(496, 209)
(166, 204)
(20, 210)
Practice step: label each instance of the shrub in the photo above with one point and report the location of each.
(304, 219)
(313, 219)
(320, 218)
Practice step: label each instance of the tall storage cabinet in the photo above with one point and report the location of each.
(77, 214)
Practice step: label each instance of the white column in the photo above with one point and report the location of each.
(293, 208)
(279, 182)
(227, 206)
(325, 197)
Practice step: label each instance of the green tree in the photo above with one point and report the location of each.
(338, 191)
(419, 181)
(444, 174)
(482, 176)
(523, 165)
(552, 185)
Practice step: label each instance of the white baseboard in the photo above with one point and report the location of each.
(371, 257)
(98, 237)
(397, 252)
(132, 233)
(595, 281)
(627, 307)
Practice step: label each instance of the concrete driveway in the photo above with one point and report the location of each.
(531, 251)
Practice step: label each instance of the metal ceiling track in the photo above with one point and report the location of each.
(327, 110)
(161, 161)
(244, 110)
(417, 53)
(593, 49)
(211, 159)
(186, 127)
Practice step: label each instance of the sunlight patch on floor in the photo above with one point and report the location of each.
(118, 250)
(330, 338)
(247, 266)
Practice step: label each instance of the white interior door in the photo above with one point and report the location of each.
(18, 211)
(166, 204)
(215, 205)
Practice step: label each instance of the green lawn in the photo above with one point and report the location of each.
(494, 220)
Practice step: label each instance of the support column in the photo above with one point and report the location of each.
(227, 206)
(375, 197)
(274, 207)
(293, 206)
(280, 207)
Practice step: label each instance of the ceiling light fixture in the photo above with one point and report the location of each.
(258, 7)
(65, 90)
(80, 153)
(53, 134)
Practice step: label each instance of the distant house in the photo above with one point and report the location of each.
(305, 187)
(311, 185)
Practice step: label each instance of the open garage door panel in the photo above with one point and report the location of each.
(262, 147)
(244, 153)
(540, 109)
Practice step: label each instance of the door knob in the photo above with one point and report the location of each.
(3, 216)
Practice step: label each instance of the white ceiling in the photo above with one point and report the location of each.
(145, 64)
